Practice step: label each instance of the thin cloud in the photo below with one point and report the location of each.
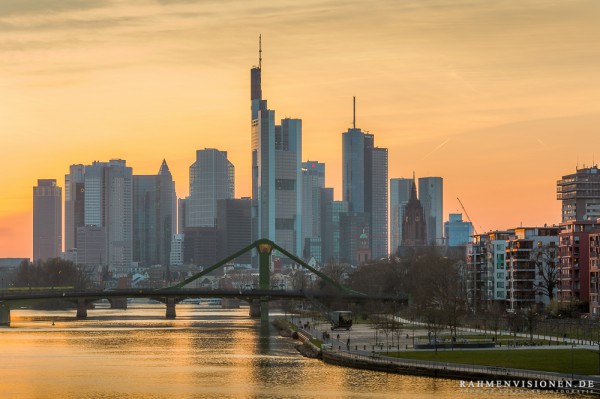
(436, 149)
(29, 7)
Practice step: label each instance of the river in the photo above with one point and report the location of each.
(204, 353)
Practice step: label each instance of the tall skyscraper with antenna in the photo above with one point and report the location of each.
(365, 175)
(276, 170)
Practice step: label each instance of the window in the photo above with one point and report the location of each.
(284, 224)
(285, 184)
(499, 285)
(500, 275)
(500, 294)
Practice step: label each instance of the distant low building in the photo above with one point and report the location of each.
(456, 231)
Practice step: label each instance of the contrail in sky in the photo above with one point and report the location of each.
(435, 149)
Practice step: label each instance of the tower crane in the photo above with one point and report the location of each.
(467, 215)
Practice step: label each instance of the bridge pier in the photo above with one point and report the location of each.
(264, 311)
(118, 303)
(171, 314)
(260, 308)
(4, 315)
(255, 308)
(81, 309)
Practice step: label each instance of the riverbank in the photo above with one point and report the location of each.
(352, 349)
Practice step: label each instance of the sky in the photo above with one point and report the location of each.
(500, 98)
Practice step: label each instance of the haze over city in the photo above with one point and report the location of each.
(499, 99)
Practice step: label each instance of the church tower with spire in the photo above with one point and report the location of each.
(414, 227)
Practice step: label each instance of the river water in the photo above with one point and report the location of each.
(204, 353)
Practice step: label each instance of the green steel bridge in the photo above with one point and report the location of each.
(258, 298)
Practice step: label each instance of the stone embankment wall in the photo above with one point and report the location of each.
(307, 348)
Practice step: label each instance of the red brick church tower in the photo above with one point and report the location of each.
(413, 224)
(363, 253)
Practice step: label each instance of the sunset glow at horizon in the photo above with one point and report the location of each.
(500, 99)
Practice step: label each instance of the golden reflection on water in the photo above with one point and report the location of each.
(204, 353)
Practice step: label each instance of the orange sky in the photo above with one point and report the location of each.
(499, 98)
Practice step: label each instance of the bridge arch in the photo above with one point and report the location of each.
(264, 247)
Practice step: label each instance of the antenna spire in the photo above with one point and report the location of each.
(354, 112)
(259, 51)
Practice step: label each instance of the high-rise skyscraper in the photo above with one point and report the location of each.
(180, 215)
(431, 195)
(313, 180)
(352, 227)
(276, 172)
(233, 228)
(211, 179)
(108, 204)
(74, 204)
(154, 217)
(457, 232)
(579, 194)
(365, 174)
(379, 203)
(399, 196)
(47, 220)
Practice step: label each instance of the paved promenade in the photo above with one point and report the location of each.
(366, 337)
(363, 346)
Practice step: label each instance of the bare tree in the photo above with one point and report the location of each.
(495, 314)
(436, 288)
(546, 264)
(300, 280)
(531, 319)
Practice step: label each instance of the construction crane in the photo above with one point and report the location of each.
(467, 215)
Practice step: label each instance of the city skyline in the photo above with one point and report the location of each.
(500, 100)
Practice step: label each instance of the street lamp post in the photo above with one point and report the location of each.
(572, 349)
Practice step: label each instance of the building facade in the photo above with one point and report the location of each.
(276, 172)
(524, 276)
(594, 266)
(234, 231)
(431, 195)
(211, 179)
(177, 254)
(457, 232)
(74, 204)
(579, 194)
(577, 262)
(108, 203)
(352, 226)
(47, 220)
(154, 217)
(364, 184)
(313, 180)
(399, 195)
(200, 246)
(414, 224)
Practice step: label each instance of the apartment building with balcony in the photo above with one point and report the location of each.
(595, 274)
(524, 275)
(579, 194)
(486, 268)
(578, 262)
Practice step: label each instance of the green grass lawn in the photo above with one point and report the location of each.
(578, 361)
(500, 339)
